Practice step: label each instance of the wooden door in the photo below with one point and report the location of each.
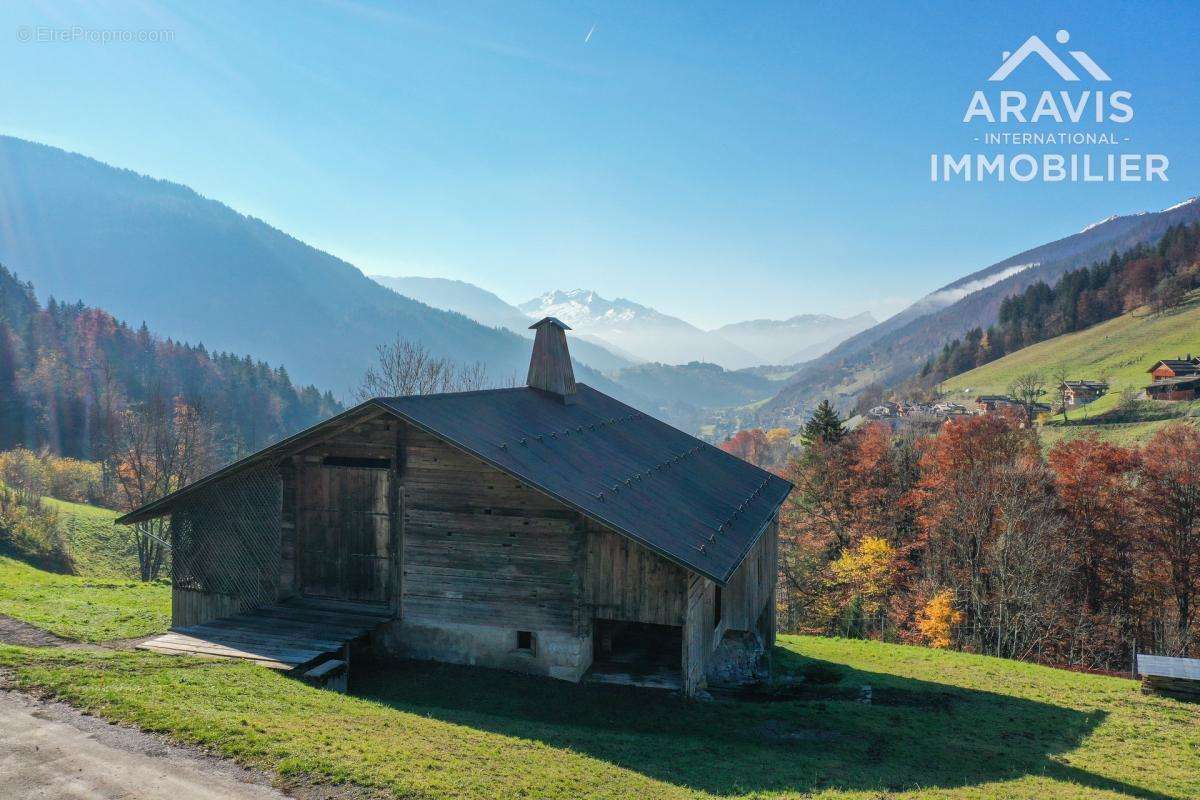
(345, 534)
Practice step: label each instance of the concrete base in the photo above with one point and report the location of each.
(553, 653)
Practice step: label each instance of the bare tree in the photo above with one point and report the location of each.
(1026, 388)
(1026, 565)
(404, 367)
(163, 445)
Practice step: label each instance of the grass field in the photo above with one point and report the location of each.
(88, 609)
(99, 548)
(102, 601)
(941, 724)
(1121, 350)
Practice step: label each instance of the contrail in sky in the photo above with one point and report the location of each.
(588, 38)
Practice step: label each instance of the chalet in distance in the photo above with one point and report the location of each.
(987, 403)
(1175, 379)
(548, 529)
(1078, 393)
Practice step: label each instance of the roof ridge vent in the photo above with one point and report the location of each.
(550, 368)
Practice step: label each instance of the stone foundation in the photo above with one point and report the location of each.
(554, 653)
(739, 659)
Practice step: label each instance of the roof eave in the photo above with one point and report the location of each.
(162, 506)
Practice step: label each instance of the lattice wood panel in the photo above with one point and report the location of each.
(226, 538)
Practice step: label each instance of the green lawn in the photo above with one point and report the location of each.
(89, 609)
(1122, 350)
(99, 548)
(942, 724)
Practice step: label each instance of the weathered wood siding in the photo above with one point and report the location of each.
(191, 607)
(338, 531)
(626, 581)
(752, 587)
(697, 633)
(747, 601)
(482, 548)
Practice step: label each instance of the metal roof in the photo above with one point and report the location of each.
(679, 496)
(1186, 365)
(1177, 380)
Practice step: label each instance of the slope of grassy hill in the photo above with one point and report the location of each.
(938, 724)
(102, 600)
(99, 548)
(1121, 350)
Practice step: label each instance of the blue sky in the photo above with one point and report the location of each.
(716, 161)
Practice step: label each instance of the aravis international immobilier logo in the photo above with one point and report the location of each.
(1072, 134)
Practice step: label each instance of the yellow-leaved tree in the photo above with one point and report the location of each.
(863, 577)
(937, 620)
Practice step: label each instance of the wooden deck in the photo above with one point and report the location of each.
(291, 636)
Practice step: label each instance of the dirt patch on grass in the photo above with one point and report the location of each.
(22, 634)
(16, 632)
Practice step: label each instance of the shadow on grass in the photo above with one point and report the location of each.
(913, 735)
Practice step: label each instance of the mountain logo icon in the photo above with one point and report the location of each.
(1035, 46)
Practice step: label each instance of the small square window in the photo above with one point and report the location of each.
(525, 640)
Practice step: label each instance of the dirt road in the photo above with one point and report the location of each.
(50, 751)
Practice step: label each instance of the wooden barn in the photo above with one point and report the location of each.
(1175, 367)
(548, 529)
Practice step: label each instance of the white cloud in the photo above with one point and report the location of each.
(955, 293)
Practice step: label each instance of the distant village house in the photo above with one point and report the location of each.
(1078, 393)
(1175, 379)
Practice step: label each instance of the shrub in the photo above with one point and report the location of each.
(33, 531)
(46, 474)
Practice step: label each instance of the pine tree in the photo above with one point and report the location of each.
(10, 403)
(823, 426)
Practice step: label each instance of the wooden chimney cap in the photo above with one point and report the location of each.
(550, 365)
(555, 321)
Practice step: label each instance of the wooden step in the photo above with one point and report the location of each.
(325, 668)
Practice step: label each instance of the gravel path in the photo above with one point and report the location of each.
(48, 751)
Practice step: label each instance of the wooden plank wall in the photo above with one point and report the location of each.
(626, 581)
(191, 607)
(306, 486)
(697, 633)
(749, 593)
(752, 586)
(482, 548)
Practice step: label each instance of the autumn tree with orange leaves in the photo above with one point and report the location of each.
(1097, 489)
(1170, 509)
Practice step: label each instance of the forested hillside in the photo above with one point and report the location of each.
(897, 348)
(1158, 275)
(69, 372)
(199, 271)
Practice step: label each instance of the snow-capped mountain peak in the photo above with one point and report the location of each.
(583, 309)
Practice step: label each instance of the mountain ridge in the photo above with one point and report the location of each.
(195, 269)
(488, 309)
(897, 347)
